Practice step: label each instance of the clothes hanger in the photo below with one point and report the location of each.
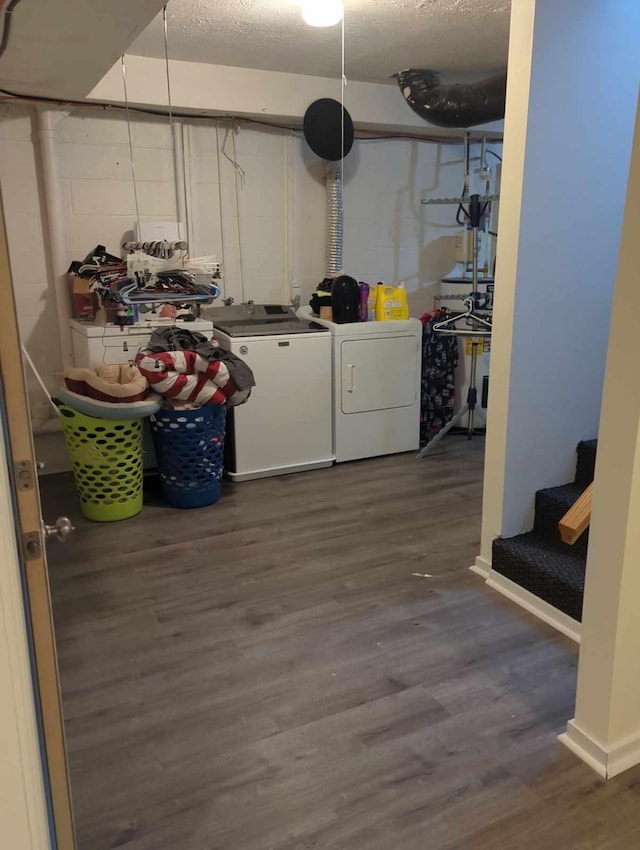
(448, 326)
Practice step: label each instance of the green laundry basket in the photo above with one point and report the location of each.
(106, 455)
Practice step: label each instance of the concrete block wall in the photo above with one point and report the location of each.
(95, 171)
(389, 234)
(25, 221)
(273, 224)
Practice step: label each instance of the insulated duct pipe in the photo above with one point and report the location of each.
(453, 105)
(335, 221)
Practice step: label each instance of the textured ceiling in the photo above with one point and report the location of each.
(382, 36)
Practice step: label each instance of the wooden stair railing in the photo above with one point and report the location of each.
(577, 519)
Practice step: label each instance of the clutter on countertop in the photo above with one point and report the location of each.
(84, 302)
(391, 303)
(185, 366)
(151, 273)
(363, 308)
(169, 311)
(321, 299)
(345, 301)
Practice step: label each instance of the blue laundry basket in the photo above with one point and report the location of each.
(190, 452)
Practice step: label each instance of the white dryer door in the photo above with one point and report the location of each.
(379, 374)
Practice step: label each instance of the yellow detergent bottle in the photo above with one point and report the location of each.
(391, 303)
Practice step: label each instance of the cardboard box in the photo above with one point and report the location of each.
(84, 303)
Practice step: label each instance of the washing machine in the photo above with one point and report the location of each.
(286, 425)
(376, 386)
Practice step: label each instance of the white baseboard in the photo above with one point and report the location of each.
(280, 470)
(482, 567)
(538, 607)
(585, 748)
(623, 756)
(607, 763)
(530, 602)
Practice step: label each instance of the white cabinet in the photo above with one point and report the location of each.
(97, 345)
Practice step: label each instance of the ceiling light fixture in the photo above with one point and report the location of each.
(322, 13)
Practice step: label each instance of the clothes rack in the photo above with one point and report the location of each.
(476, 326)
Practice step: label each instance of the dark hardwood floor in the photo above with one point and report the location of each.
(310, 664)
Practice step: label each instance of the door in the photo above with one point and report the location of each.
(33, 556)
(379, 374)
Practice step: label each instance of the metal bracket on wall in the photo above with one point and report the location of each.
(32, 545)
(466, 200)
(23, 471)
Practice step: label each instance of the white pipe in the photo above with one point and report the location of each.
(38, 378)
(222, 241)
(290, 182)
(178, 171)
(187, 161)
(48, 120)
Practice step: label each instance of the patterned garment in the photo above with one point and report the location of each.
(439, 362)
(187, 376)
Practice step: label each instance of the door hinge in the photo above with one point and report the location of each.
(23, 470)
(32, 545)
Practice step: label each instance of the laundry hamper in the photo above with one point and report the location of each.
(190, 452)
(106, 455)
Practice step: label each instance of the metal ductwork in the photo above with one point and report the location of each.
(456, 105)
(329, 132)
(335, 221)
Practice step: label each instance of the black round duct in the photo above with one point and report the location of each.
(323, 129)
(457, 105)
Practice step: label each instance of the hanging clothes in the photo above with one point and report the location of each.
(439, 363)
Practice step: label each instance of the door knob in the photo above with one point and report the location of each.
(60, 531)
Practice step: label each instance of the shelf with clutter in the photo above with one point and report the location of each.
(106, 289)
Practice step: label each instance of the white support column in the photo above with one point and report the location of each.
(606, 728)
(48, 122)
(568, 135)
(509, 226)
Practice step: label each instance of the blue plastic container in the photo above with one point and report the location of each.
(190, 452)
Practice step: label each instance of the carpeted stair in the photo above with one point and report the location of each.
(539, 561)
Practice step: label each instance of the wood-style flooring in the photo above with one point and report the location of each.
(310, 664)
